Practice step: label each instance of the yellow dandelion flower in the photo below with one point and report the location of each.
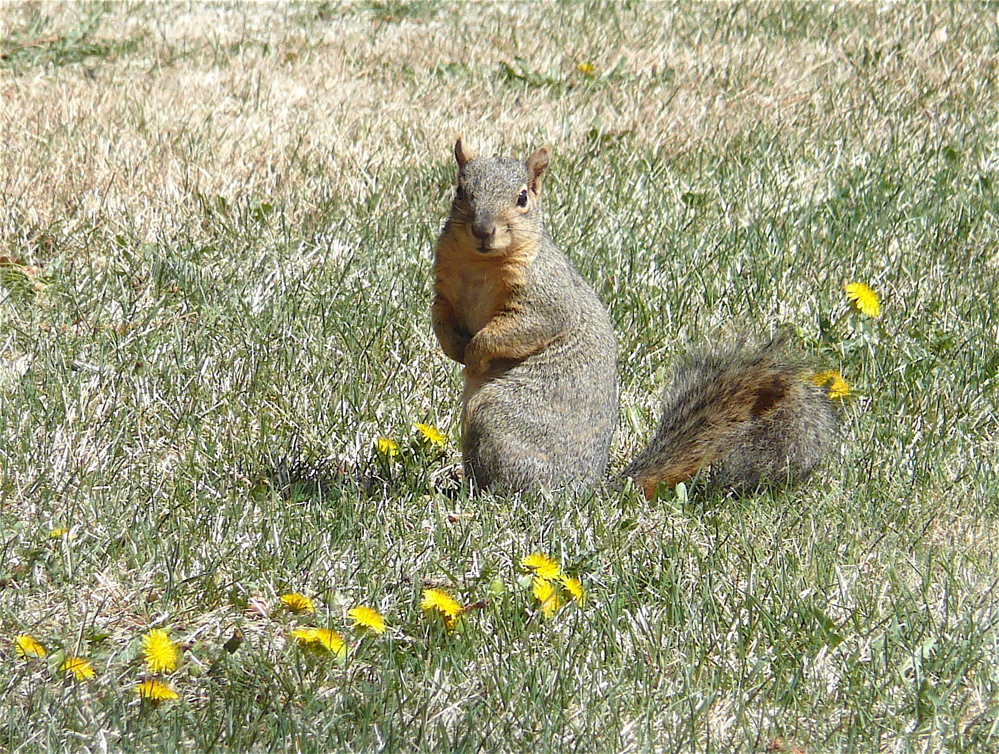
(305, 635)
(575, 588)
(28, 646)
(156, 691)
(322, 638)
(587, 69)
(331, 641)
(438, 599)
(863, 298)
(544, 566)
(160, 651)
(59, 532)
(298, 603)
(545, 592)
(386, 447)
(78, 667)
(431, 434)
(366, 617)
(552, 605)
(541, 588)
(833, 381)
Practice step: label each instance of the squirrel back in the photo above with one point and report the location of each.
(540, 398)
(541, 402)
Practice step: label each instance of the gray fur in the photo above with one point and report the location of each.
(543, 422)
(546, 422)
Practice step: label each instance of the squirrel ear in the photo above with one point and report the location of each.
(536, 165)
(462, 154)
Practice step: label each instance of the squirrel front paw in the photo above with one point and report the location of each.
(476, 362)
(476, 367)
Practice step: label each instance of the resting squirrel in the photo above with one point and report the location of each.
(541, 399)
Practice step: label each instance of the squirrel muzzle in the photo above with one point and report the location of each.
(489, 236)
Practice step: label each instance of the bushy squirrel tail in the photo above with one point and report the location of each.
(739, 417)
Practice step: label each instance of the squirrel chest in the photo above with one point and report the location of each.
(477, 287)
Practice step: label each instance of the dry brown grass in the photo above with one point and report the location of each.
(274, 102)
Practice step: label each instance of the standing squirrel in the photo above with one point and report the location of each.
(541, 399)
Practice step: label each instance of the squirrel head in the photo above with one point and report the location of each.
(497, 202)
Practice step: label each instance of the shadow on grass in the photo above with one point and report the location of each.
(296, 472)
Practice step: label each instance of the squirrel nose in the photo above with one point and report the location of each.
(484, 231)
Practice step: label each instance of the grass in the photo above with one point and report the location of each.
(216, 229)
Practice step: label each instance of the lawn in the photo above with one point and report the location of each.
(216, 232)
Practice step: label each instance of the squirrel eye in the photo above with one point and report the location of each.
(522, 199)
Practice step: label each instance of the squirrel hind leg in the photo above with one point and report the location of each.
(657, 466)
(506, 463)
(649, 484)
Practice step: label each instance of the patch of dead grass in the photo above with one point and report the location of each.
(284, 102)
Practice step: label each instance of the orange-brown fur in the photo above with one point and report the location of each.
(477, 294)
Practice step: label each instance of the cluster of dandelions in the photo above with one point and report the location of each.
(27, 647)
(862, 300)
(326, 641)
(551, 589)
(427, 437)
(550, 585)
(418, 459)
(160, 657)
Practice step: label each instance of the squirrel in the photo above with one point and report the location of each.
(540, 402)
